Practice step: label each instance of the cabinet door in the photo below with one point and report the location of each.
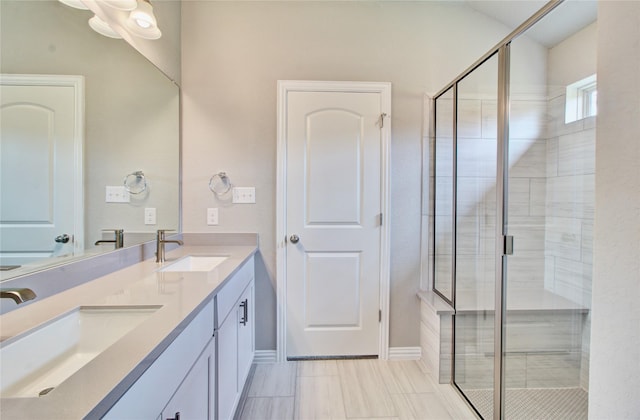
(228, 395)
(192, 399)
(246, 334)
(146, 398)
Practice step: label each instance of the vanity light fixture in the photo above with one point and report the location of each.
(142, 22)
(103, 28)
(76, 4)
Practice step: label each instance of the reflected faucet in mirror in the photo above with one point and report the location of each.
(118, 239)
(161, 241)
(19, 296)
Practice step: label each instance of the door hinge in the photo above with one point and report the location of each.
(381, 119)
(508, 245)
(379, 315)
(381, 219)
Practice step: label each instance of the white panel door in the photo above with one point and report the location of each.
(38, 166)
(333, 206)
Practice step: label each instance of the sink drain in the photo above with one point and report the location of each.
(45, 391)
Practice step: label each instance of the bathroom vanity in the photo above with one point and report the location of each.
(182, 342)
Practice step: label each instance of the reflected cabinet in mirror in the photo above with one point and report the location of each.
(79, 113)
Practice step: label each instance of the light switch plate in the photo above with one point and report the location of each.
(212, 216)
(150, 216)
(244, 195)
(117, 194)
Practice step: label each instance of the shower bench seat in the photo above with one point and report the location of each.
(541, 326)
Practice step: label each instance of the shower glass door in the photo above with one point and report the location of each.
(475, 234)
(550, 196)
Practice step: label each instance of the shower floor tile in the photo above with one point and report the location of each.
(535, 403)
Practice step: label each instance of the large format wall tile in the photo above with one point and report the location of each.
(577, 153)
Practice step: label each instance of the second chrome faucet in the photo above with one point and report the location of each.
(118, 239)
(161, 241)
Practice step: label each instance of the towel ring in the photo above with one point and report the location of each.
(220, 183)
(135, 182)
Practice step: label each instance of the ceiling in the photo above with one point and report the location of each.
(564, 21)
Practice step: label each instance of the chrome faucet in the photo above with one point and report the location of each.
(19, 295)
(161, 241)
(118, 239)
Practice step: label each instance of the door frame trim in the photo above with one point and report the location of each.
(77, 83)
(284, 87)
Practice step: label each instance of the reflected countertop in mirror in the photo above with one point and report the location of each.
(128, 121)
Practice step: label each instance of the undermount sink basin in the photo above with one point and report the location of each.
(35, 362)
(195, 263)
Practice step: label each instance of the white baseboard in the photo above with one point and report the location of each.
(405, 353)
(264, 356)
(395, 353)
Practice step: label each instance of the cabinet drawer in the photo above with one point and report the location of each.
(231, 292)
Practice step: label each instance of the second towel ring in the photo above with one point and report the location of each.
(220, 183)
(135, 182)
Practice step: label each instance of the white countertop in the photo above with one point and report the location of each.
(98, 385)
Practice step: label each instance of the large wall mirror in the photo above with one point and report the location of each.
(79, 113)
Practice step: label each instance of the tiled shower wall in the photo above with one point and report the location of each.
(570, 205)
(551, 197)
(477, 133)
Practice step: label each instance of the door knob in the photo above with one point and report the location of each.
(294, 239)
(62, 239)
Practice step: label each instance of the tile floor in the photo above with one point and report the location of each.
(536, 403)
(350, 389)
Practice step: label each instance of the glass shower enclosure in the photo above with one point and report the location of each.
(513, 205)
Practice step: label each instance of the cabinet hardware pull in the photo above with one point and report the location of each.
(245, 312)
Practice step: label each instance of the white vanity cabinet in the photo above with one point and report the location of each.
(235, 335)
(180, 365)
(202, 374)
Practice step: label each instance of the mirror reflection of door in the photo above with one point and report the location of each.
(41, 137)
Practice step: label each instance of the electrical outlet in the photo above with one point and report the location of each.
(150, 216)
(212, 216)
(117, 194)
(244, 195)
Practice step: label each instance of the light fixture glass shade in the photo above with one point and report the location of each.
(103, 28)
(76, 4)
(142, 22)
(121, 4)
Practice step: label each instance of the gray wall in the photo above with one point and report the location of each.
(234, 53)
(615, 336)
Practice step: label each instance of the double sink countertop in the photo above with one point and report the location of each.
(93, 389)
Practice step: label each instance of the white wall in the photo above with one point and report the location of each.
(574, 58)
(615, 337)
(234, 53)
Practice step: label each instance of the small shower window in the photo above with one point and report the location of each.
(581, 99)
